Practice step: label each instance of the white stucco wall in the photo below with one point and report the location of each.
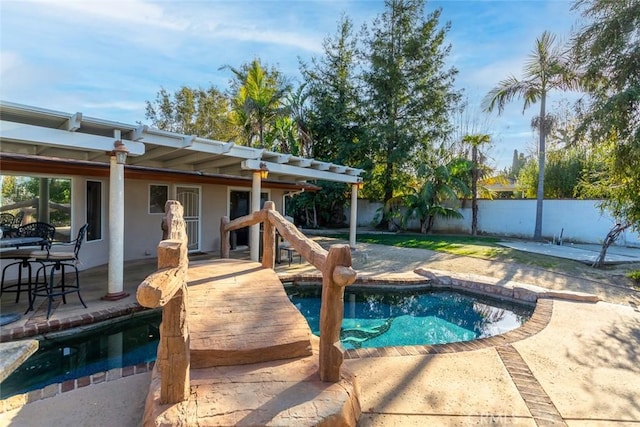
(577, 220)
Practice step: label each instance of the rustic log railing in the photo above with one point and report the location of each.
(335, 266)
(167, 288)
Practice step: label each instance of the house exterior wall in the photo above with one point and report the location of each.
(577, 220)
(142, 230)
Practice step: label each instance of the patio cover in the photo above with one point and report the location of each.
(45, 133)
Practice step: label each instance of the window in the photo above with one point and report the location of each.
(158, 196)
(38, 198)
(94, 210)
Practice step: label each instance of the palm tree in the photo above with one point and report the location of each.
(475, 141)
(546, 69)
(442, 183)
(258, 101)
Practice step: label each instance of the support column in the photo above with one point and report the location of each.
(116, 232)
(43, 201)
(254, 233)
(353, 221)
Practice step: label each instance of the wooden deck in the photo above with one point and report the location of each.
(238, 313)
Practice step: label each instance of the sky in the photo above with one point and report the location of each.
(106, 58)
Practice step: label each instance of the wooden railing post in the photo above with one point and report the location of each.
(167, 288)
(225, 246)
(336, 274)
(268, 238)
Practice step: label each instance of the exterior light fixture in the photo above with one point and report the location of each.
(120, 151)
(264, 170)
(360, 184)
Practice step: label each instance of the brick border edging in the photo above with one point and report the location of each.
(19, 400)
(540, 405)
(54, 325)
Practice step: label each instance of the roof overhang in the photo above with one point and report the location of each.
(37, 132)
(20, 163)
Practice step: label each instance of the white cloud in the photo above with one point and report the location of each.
(124, 12)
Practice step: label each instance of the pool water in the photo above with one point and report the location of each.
(116, 345)
(409, 318)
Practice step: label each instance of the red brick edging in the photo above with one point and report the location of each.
(39, 326)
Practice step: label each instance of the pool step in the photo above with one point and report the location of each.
(238, 313)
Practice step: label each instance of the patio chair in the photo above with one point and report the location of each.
(6, 224)
(6, 219)
(17, 220)
(58, 260)
(21, 257)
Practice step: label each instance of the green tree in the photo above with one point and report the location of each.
(607, 50)
(441, 184)
(298, 106)
(475, 141)
(410, 91)
(547, 69)
(201, 112)
(335, 116)
(258, 100)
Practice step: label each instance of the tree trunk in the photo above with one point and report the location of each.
(537, 233)
(474, 191)
(612, 236)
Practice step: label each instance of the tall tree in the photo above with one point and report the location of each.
(410, 90)
(547, 69)
(475, 141)
(201, 112)
(335, 116)
(607, 49)
(258, 100)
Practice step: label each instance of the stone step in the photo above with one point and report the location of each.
(278, 393)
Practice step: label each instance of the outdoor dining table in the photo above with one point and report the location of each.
(16, 242)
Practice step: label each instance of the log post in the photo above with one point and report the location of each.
(225, 246)
(173, 350)
(336, 274)
(268, 238)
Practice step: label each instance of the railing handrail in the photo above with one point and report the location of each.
(311, 251)
(334, 265)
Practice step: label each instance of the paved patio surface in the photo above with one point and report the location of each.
(580, 370)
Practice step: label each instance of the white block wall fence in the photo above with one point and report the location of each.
(578, 220)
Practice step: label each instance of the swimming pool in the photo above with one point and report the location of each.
(85, 351)
(382, 319)
(371, 319)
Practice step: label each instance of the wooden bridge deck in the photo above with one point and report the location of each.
(238, 313)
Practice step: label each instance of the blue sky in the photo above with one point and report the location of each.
(105, 58)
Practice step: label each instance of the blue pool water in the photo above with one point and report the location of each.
(410, 318)
(124, 343)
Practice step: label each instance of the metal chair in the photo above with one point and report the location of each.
(21, 256)
(6, 219)
(58, 261)
(6, 224)
(17, 220)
